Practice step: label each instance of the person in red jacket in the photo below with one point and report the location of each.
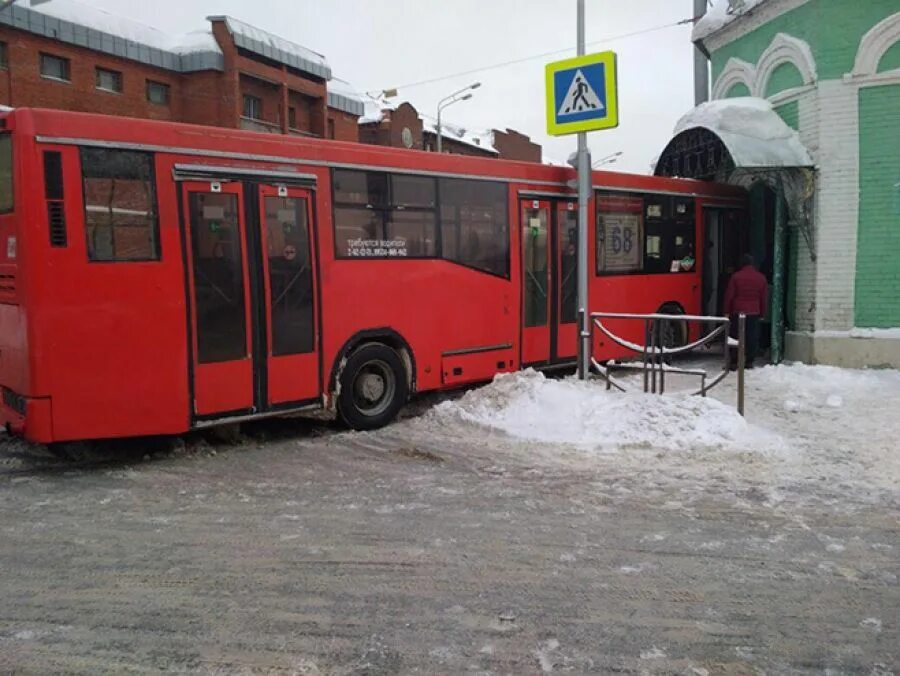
(747, 293)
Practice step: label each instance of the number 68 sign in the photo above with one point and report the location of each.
(621, 242)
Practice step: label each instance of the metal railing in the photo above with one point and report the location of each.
(654, 353)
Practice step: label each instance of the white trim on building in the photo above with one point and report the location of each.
(874, 45)
(783, 49)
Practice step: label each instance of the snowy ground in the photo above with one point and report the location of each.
(530, 526)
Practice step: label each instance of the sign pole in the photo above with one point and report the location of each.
(584, 193)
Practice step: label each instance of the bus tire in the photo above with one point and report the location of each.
(674, 333)
(373, 387)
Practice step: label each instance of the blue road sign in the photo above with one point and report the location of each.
(581, 94)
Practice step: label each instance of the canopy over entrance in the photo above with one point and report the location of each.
(718, 137)
(743, 141)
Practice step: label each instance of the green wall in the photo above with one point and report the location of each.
(878, 250)
(890, 60)
(740, 89)
(790, 113)
(785, 76)
(832, 28)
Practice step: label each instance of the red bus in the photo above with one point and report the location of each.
(158, 277)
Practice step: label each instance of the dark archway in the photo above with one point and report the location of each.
(696, 153)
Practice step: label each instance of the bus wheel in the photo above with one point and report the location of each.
(673, 333)
(373, 387)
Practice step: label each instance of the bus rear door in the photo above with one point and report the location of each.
(252, 297)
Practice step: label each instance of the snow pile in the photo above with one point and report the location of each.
(751, 130)
(529, 406)
(722, 14)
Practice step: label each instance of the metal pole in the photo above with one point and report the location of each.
(701, 66)
(439, 130)
(777, 304)
(742, 334)
(646, 347)
(584, 193)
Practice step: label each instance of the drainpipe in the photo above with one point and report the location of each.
(701, 64)
(777, 303)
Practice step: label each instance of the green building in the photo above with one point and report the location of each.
(805, 111)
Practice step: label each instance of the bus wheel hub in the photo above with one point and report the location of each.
(370, 386)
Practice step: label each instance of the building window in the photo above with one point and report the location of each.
(292, 117)
(252, 107)
(157, 92)
(55, 67)
(4, 57)
(120, 215)
(109, 80)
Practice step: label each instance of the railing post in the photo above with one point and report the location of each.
(663, 323)
(646, 347)
(742, 330)
(727, 349)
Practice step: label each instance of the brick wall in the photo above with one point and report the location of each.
(21, 84)
(837, 205)
(270, 100)
(513, 145)
(206, 97)
(454, 147)
(343, 126)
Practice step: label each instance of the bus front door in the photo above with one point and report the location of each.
(549, 286)
(219, 293)
(291, 320)
(253, 298)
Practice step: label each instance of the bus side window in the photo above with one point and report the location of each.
(475, 224)
(120, 213)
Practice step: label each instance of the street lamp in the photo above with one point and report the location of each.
(609, 159)
(463, 94)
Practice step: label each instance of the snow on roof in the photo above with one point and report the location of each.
(195, 41)
(480, 139)
(374, 109)
(751, 130)
(91, 17)
(343, 96)
(274, 47)
(81, 24)
(722, 14)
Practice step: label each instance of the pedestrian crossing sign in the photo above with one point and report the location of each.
(582, 94)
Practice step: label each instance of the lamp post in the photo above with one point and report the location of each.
(463, 94)
(609, 159)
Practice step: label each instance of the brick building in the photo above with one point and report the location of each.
(830, 70)
(401, 126)
(64, 54)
